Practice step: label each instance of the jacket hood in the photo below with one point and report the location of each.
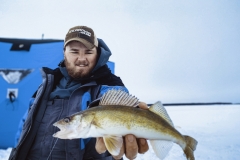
(103, 54)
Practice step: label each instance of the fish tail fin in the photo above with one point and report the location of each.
(161, 147)
(191, 142)
(191, 145)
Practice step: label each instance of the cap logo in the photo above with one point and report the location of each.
(82, 31)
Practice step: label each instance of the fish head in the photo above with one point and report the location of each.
(72, 127)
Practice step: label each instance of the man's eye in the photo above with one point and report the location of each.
(89, 52)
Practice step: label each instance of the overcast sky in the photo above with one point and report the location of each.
(168, 50)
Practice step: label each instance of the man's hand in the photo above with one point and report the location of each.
(131, 145)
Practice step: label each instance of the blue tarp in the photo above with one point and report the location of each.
(20, 64)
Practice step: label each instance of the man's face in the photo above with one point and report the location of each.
(79, 60)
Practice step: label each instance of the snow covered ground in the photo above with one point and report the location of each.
(215, 127)
(4, 154)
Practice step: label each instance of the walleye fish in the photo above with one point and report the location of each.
(116, 116)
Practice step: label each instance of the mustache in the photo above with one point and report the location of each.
(78, 63)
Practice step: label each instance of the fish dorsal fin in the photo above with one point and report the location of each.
(113, 143)
(118, 97)
(158, 109)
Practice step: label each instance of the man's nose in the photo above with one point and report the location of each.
(81, 57)
(82, 60)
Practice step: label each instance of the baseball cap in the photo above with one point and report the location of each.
(82, 34)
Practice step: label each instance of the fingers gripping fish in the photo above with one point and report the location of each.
(117, 116)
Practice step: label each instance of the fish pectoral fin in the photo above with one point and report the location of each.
(161, 147)
(113, 144)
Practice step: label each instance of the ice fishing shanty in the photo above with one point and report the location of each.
(20, 63)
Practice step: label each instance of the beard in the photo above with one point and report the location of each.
(74, 72)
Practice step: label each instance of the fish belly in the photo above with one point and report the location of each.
(124, 130)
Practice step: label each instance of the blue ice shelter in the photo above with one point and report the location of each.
(20, 63)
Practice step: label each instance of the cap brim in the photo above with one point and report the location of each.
(83, 41)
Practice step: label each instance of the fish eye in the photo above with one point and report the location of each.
(67, 120)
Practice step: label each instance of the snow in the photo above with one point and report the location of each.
(215, 127)
(4, 154)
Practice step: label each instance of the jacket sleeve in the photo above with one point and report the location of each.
(20, 126)
(105, 88)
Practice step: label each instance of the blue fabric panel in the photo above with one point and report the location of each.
(111, 66)
(83, 142)
(105, 88)
(86, 99)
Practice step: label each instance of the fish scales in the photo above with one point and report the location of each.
(137, 121)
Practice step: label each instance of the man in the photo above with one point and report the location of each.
(82, 77)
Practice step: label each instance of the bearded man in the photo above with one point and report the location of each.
(80, 78)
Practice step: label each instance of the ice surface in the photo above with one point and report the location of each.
(215, 127)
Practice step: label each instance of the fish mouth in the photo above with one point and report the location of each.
(58, 126)
(61, 129)
(63, 132)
